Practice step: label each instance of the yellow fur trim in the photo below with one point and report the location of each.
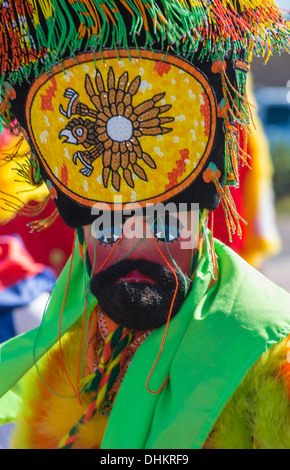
(258, 413)
(46, 417)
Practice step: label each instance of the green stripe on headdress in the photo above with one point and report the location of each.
(44, 32)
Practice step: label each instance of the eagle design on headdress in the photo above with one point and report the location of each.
(112, 130)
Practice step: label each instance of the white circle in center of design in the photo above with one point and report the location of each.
(119, 128)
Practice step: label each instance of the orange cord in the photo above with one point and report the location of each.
(84, 313)
(170, 310)
(167, 322)
(60, 320)
(115, 246)
(80, 347)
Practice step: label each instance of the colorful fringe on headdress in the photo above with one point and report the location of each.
(218, 26)
(35, 35)
(233, 219)
(235, 110)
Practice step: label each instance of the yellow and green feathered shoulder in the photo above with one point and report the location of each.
(258, 413)
(49, 408)
(256, 416)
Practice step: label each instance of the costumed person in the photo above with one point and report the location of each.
(156, 336)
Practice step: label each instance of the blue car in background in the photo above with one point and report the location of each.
(274, 111)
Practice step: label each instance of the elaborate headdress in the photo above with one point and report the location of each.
(142, 99)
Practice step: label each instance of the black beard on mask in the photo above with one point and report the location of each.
(139, 306)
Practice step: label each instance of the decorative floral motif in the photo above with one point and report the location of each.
(115, 129)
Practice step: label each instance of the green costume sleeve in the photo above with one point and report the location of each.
(9, 406)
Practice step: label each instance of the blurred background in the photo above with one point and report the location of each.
(271, 86)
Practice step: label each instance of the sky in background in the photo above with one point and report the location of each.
(283, 4)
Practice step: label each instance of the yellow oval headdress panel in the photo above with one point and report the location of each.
(119, 125)
(141, 99)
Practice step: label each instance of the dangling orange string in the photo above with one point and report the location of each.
(44, 224)
(81, 341)
(115, 246)
(168, 319)
(171, 306)
(80, 347)
(85, 308)
(60, 320)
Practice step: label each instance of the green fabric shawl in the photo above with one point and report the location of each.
(212, 342)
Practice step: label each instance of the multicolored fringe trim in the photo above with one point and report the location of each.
(236, 113)
(110, 358)
(7, 93)
(43, 224)
(41, 32)
(15, 205)
(29, 171)
(233, 219)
